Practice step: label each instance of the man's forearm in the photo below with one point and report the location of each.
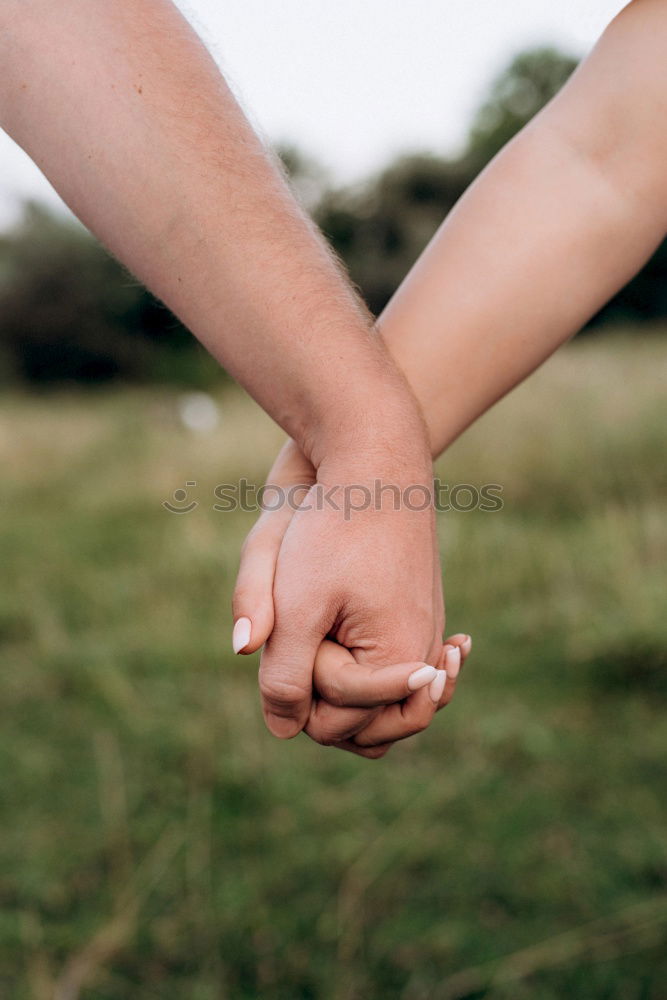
(561, 219)
(128, 116)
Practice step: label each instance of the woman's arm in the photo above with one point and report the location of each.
(560, 220)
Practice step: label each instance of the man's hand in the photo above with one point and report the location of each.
(368, 577)
(377, 579)
(366, 580)
(161, 164)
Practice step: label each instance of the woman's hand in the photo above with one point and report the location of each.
(365, 710)
(289, 480)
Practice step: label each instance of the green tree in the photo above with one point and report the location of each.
(516, 96)
(70, 312)
(380, 228)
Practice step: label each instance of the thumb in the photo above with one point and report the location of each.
(341, 681)
(252, 603)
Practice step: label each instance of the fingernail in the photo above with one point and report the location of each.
(466, 645)
(241, 634)
(453, 661)
(438, 686)
(420, 678)
(283, 728)
(443, 654)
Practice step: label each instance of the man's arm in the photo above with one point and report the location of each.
(126, 113)
(128, 116)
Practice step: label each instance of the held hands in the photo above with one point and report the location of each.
(390, 703)
(370, 581)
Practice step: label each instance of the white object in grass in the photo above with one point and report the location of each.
(199, 412)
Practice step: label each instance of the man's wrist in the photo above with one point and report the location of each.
(383, 466)
(379, 432)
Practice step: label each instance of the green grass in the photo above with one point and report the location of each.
(157, 844)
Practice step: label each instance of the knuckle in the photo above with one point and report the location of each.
(419, 724)
(331, 727)
(331, 691)
(318, 732)
(280, 693)
(416, 724)
(327, 734)
(325, 737)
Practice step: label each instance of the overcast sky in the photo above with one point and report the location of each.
(354, 81)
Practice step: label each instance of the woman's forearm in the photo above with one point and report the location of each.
(126, 113)
(559, 221)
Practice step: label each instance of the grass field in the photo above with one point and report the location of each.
(157, 844)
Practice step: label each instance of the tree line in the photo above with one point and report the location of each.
(69, 312)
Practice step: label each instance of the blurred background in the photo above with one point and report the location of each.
(155, 842)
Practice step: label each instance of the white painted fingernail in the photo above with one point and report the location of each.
(438, 686)
(420, 678)
(453, 661)
(241, 634)
(466, 645)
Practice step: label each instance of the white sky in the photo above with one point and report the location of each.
(354, 81)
